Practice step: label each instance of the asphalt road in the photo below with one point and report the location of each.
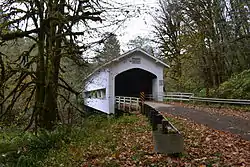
(232, 124)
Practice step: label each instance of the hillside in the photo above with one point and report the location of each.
(238, 86)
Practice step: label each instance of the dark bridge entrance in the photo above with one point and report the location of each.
(132, 82)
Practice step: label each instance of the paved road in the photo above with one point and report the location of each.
(232, 124)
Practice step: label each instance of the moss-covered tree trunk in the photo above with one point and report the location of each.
(48, 114)
(2, 76)
(54, 34)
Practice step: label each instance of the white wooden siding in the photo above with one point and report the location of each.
(105, 79)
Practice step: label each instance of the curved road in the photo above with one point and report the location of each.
(232, 124)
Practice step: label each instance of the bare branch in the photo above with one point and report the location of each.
(14, 99)
(82, 112)
(67, 86)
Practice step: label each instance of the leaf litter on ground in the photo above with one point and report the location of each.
(209, 147)
(128, 141)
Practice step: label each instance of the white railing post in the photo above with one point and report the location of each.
(130, 103)
(138, 104)
(124, 103)
(119, 102)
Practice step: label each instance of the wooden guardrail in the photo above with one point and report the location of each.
(130, 103)
(166, 137)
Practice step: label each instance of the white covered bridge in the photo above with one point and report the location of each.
(133, 72)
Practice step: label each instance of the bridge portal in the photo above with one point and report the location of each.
(131, 82)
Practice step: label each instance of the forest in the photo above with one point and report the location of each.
(207, 45)
(42, 67)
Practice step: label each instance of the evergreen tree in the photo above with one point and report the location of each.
(110, 50)
(143, 43)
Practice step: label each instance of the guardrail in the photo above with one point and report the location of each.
(178, 96)
(123, 102)
(166, 137)
(180, 93)
(172, 96)
(218, 100)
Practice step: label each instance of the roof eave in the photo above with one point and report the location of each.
(124, 55)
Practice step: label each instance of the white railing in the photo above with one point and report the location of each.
(218, 100)
(182, 96)
(123, 103)
(179, 96)
(180, 93)
(172, 96)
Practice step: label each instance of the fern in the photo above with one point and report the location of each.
(27, 149)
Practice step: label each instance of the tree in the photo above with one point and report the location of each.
(2, 72)
(168, 33)
(110, 50)
(2, 78)
(212, 27)
(12, 60)
(51, 25)
(143, 43)
(211, 35)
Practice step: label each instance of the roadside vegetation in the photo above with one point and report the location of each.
(123, 141)
(238, 86)
(96, 141)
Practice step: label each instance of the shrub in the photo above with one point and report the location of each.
(237, 86)
(28, 149)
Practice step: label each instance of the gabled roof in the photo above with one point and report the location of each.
(125, 55)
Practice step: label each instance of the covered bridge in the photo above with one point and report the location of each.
(133, 72)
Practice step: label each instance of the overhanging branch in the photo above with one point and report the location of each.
(17, 34)
(82, 112)
(67, 86)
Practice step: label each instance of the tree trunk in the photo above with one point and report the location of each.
(40, 83)
(49, 113)
(2, 78)
(46, 89)
(179, 71)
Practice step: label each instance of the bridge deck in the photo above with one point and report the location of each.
(217, 121)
